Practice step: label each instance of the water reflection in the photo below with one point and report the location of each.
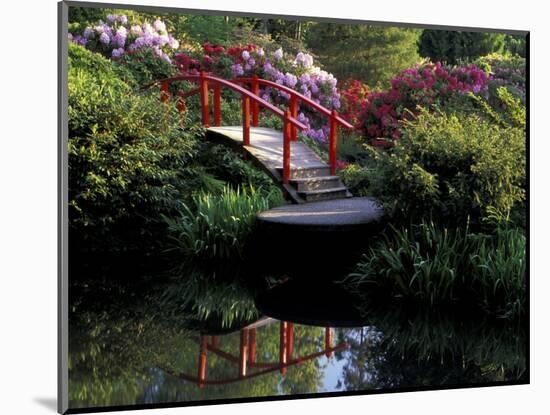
(245, 363)
(177, 339)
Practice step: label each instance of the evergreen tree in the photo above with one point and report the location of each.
(372, 54)
(516, 45)
(454, 46)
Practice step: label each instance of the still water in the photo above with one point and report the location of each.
(139, 337)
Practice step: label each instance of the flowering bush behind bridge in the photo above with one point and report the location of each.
(296, 72)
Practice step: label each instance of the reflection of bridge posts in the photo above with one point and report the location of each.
(283, 332)
(328, 341)
(247, 355)
(202, 361)
(252, 346)
(243, 351)
(289, 341)
(214, 341)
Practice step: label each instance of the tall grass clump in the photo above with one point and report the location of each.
(202, 298)
(217, 226)
(427, 264)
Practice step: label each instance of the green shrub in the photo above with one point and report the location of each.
(229, 166)
(430, 265)
(452, 168)
(128, 154)
(216, 227)
(143, 66)
(356, 178)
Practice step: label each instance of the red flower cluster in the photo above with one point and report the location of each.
(424, 85)
(210, 58)
(352, 94)
(186, 63)
(210, 49)
(237, 51)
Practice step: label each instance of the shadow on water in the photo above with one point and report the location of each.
(218, 332)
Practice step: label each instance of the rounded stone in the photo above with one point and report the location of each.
(349, 212)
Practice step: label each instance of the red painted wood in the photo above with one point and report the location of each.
(246, 121)
(164, 94)
(181, 105)
(252, 346)
(332, 143)
(217, 105)
(204, 100)
(243, 351)
(269, 369)
(294, 114)
(286, 148)
(283, 346)
(301, 98)
(233, 86)
(289, 341)
(328, 341)
(214, 342)
(202, 361)
(189, 93)
(255, 88)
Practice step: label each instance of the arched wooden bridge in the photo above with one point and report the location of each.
(304, 176)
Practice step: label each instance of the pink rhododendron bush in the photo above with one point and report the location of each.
(425, 86)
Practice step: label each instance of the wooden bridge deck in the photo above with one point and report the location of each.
(310, 175)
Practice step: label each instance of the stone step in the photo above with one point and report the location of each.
(301, 173)
(324, 194)
(316, 183)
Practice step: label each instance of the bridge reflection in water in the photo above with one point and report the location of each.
(246, 366)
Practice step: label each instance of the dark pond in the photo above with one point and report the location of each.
(143, 337)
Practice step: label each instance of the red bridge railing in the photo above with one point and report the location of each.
(251, 105)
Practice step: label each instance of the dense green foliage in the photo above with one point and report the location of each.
(408, 348)
(452, 168)
(143, 67)
(452, 46)
(128, 155)
(217, 227)
(371, 54)
(429, 264)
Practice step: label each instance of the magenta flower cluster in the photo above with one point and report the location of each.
(116, 38)
(424, 85)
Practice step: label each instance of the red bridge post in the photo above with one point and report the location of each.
(286, 147)
(217, 105)
(255, 89)
(332, 142)
(246, 120)
(294, 113)
(204, 100)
